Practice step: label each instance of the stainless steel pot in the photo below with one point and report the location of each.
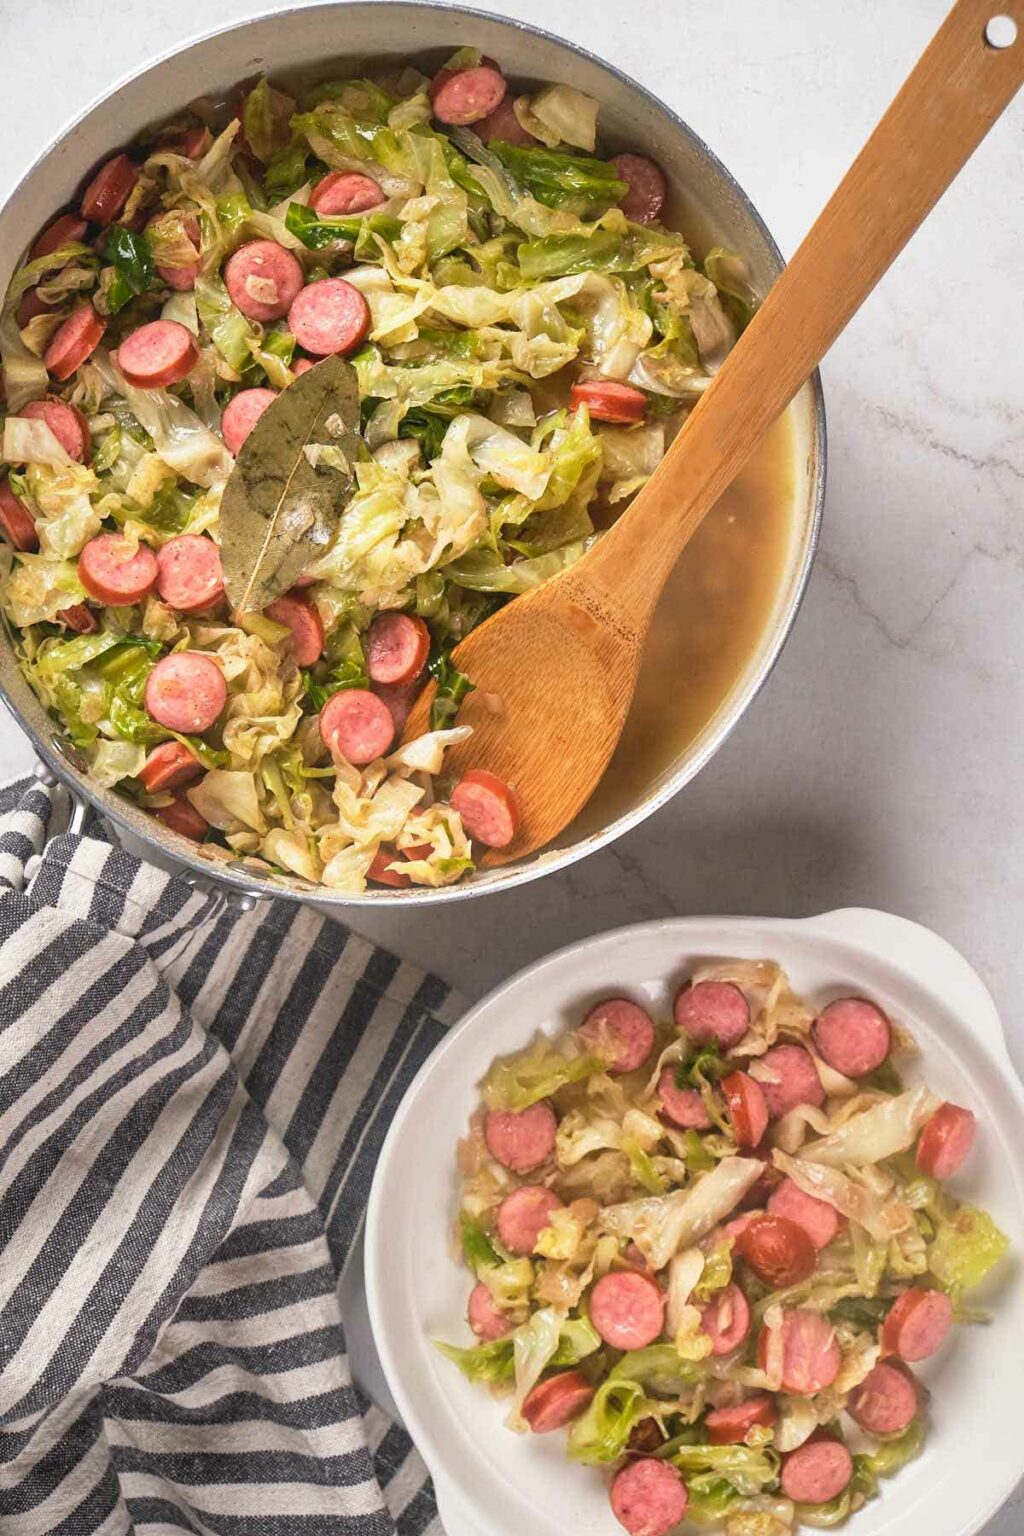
(707, 204)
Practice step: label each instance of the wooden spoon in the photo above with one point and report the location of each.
(563, 659)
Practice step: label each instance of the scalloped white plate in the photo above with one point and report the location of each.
(493, 1483)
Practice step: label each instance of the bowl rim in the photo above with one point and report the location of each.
(248, 887)
(909, 950)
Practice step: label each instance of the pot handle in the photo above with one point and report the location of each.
(236, 902)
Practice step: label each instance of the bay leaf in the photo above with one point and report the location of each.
(290, 485)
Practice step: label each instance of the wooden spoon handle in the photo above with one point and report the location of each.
(957, 91)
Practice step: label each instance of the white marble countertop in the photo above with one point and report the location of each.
(884, 762)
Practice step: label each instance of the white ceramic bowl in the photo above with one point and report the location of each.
(493, 1483)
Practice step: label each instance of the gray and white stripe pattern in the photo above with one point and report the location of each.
(191, 1105)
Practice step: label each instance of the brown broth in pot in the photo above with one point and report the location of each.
(709, 624)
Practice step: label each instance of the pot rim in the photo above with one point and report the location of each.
(247, 885)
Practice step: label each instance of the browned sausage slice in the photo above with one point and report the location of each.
(182, 817)
(747, 1108)
(730, 1426)
(342, 192)
(397, 647)
(74, 341)
(620, 1032)
(464, 96)
(186, 692)
(68, 229)
(485, 1319)
(647, 187)
(67, 423)
(945, 1142)
(330, 316)
(608, 401)
(713, 1013)
(302, 618)
(357, 724)
(816, 1472)
(116, 570)
(158, 355)
(16, 520)
(488, 807)
(553, 1403)
(819, 1219)
(627, 1309)
(523, 1215)
(109, 190)
(886, 1400)
(789, 1078)
(262, 279)
(80, 618)
(170, 766)
(521, 1139)
(917, 1324)
(503, 124)
(190, 576)
(852, 1035)
(648, 1497)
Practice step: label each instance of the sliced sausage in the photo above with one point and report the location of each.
(488, 807)
(116, 570)
(193, 143)
(648, 1497)
(186, 692)
(683, 1106)
(170, 766)
(381, 873)
(67, 423)
(620, 1032)
(158, 355)
(853, 1036)
(30, 305)
(356, 724)
(917, 1324)
(608, 401)
(399, 698)
(80, 618)
(523, 1215)
(647, 187)
(302, 618)
(817, 1218)
(329, 316)
(74, 341)
(810, 1355)
(302, 365)
(182, 817)
(464, 96)
(16, 520)
(190, 576)
(553, 1403)
(778, 1251)
(790, 1078)
(343, 192)
(726, 1320)
(816, 1471)
(713, 1013)
(241, 414)
(886, 1401)
(731, 1426)
(503, 124)
(945, 1142)
(521, 1139)
(262, 279)
(485, 1319)
(747, 1108)
(105, 196)
(68, 229)
(627, 1309)
(183, 279)
(397, 647)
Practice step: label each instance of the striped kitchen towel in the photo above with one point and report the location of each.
(191, 1105)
